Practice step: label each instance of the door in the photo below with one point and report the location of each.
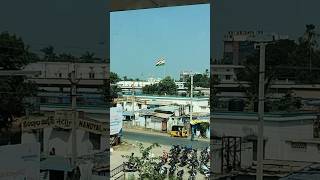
(164, 125)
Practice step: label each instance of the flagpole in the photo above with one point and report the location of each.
(164, 71)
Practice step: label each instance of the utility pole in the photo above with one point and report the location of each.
(191, 108)
(133, 121)
(259, 175)
(74, 83)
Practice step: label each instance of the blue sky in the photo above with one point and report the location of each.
(179, 34)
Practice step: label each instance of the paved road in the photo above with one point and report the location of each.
(163, 140)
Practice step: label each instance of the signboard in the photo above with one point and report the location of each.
(92, 126)
(115, 120)
(63, 119)
(20, 162)
(37, 123)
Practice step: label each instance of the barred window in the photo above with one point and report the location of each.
(298, 145)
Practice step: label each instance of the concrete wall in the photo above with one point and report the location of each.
(62, 142)
(276, 134)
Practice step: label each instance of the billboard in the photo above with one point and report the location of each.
(115, 120)
(20, 162)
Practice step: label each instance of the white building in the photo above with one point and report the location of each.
(200, 105)
(60, 70)
(291, 137)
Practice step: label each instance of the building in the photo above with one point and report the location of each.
(54, 82)
(287, 136)
(55, 138)
(239, 44)
(160, 113)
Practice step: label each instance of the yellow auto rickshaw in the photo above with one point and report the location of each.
(178, 131)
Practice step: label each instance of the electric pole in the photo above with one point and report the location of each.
(74, 83)
(133, 121)
(259, 175)
(191, 108)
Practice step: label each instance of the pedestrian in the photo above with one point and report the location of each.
(53, 151)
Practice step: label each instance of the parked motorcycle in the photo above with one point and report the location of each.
(180, 174)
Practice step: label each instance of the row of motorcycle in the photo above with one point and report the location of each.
(178, 158)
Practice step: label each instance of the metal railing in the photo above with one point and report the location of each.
(122, 177)
(117, 170)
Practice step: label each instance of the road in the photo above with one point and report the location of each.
(163, 140)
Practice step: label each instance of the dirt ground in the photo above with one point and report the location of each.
(127, 147)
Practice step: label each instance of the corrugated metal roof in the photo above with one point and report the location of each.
(163, 115)
(168, 108)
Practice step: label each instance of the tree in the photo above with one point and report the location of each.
(88, 57)
(166, 86)
(278, 54)
(146, 163)
(49, 54)
(14, 90)
(199, 80)
(66, 57)
(307, 56)
(13, 52)
(114, 78)
(288, 103)
(214, 81)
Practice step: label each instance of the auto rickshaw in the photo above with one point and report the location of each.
(178, 131)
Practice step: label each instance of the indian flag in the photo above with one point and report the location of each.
(160, 62)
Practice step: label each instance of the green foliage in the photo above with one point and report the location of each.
(14, 90)
(199, 80)
(114, 78)
(88, 57)
(146, 163)
(284, 59)
(166, 86)
(49, 53)
(288, 103)
(214, 81)
(14, 54)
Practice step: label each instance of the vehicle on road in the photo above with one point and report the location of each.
(178, 131)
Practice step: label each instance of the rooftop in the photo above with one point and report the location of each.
(276, 116)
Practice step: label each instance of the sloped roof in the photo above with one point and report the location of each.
(162, 115)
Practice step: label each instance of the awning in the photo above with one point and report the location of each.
(56, 163)
(128, 113)
(197, 121)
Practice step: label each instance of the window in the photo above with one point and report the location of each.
(95, 140)
(91, 75)
(299, 146)
(228, 77)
